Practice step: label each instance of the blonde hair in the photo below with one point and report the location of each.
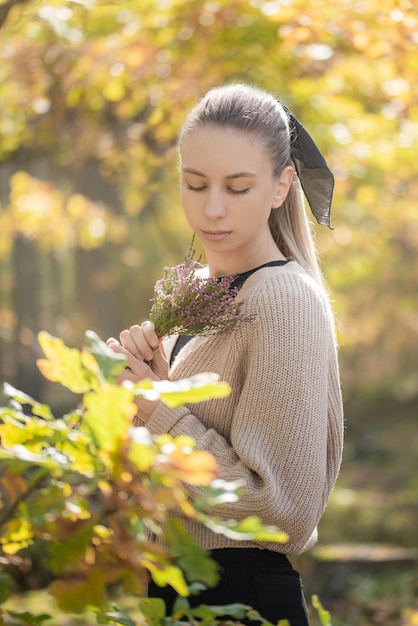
(249, 109)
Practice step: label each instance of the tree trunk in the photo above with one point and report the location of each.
(26, 296)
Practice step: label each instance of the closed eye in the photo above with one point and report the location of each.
(230, 190)
(191, 188)
(240, 191)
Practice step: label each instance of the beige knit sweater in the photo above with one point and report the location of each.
(281, 428)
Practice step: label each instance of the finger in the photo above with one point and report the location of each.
(150, 334)
(130, 343)
(113, 344)
(159, 362)
(118, 349)
(143, 340)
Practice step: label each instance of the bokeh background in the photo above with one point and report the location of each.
(92, 96)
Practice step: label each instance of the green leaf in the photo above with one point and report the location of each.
(75, 593)
(153, 610)
(237, 611)
(69, 551)
(111, 363)
(115, 617)
(193, 560)
(181, 605)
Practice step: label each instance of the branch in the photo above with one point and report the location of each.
(6, 7)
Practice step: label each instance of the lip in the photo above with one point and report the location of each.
(215, 235)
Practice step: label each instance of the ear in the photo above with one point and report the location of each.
(283, 183)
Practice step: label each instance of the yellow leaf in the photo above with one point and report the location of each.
(62, 364)
(90, 363)
(170, 575)
(142, 456)
(109, 413)
(17, 534)
(197, 467)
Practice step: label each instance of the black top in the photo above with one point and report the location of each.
(238, 282)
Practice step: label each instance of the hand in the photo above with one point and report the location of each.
(141, 345)
(145, 359)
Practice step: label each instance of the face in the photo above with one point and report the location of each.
(227, 191)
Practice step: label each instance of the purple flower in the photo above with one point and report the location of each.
(188, 304)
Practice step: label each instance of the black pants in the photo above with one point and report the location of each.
(262, 579)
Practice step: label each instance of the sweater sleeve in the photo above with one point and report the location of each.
(285, 439)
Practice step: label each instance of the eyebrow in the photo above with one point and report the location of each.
(191, 170)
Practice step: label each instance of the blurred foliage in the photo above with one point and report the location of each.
(104, 499)
(92, 96)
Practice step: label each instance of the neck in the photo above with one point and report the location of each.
(231, 264)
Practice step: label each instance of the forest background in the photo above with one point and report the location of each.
(92, 96)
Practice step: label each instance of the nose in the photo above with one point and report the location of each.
(214, 205)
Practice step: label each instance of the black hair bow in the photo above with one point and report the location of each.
(314, 174)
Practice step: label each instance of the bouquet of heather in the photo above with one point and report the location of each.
(189, 304)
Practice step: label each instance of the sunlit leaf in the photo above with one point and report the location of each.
(109, 412)
(172, 576)
(176, 393)
(196, 467)
(250, 528)
(62, 364)
(16, 534)
(253, 525)
(12, 433)
(21, 453)
(42, 410)
(142, 456)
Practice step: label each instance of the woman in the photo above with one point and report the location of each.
(280, 430)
